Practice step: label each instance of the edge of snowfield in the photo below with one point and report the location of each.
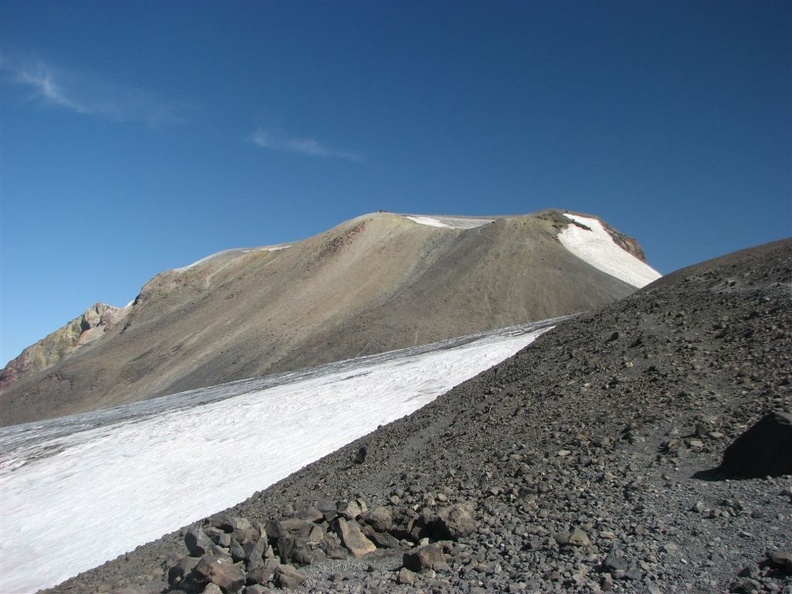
(595, 246)
(65, 481)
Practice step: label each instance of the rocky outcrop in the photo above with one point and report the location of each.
(229, 551)
(62, 343)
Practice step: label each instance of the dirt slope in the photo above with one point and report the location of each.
(600, 427)
(377, 282)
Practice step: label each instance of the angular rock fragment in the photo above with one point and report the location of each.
(263, 574)
(288, 577)
(379, 518)
(221, 571)
(228, 523)
(182, 568)
(332, 547)
(424, 557)
(383, 540)
(454, 522)
(353, 538)
(406, 577)
(198, 543)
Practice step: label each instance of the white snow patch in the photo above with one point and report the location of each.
(428, 221)
(449, 222)
(81, 490)
(596, 247)
(268, 248)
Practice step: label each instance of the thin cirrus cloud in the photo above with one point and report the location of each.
(48, 86)
(303, 146)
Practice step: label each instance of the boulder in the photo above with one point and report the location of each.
(254, 553)
(424, 557)
(455, 521)
(182, 568)
(379, 518)
(263, 574)
(405, 577)
(765, 449)
(353, 538)
(383, 540)
(221, 571)
(332, 547)
(309, 513)
(300, 529)
(198, 543)
(288, 577)
(352, 509)
(229, 523)
(328, 508)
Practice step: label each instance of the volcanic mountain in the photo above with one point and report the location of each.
(378, 282)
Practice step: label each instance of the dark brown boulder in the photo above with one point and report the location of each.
(765, 449)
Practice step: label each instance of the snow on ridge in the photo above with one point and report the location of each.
(595, 246)
(268, 248)
(449, 222)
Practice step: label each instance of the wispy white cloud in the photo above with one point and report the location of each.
(303, 146)
(51, 87)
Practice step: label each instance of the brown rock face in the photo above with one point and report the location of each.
(49, 351)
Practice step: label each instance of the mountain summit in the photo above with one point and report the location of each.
(378, 282)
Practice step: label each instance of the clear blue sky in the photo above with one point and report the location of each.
(141, 136)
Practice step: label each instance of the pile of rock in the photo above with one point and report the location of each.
(232, 554)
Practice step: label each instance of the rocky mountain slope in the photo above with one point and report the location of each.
(375, 283)
(584, 463)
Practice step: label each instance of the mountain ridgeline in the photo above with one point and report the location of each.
(375, 283)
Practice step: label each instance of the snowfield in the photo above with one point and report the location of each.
(596, 247)
(78, 491)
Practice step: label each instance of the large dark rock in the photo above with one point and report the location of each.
(765, 449)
